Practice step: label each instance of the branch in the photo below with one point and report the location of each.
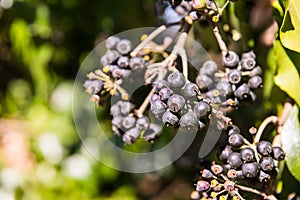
(263, 125)
(220, 41)
(254, 191)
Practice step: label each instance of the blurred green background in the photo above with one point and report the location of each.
(42, 44)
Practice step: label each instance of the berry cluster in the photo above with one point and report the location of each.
(245, 160)
(130, 127)
(177, 103)
(237, 83)
(117, 65)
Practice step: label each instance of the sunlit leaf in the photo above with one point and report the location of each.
(290, 29)
(287, 77)
(290, 137)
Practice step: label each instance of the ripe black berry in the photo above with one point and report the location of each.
(235, 160)
(266, 163)
(165, 93)
(157, 107)
(191, 90)
(123, 61)
(202, 109)
(169, 118)
(263, 177)
(160, 84)
(128, 122)
(188, 120)
(176, 80)
(231, 59)
(242, 92)
(225, 153)
(236, 140)
(204, 82)
(209, 68)
(247, 154)
(264, 148)
(233, 129)
(250, 170)
(249, 54)
(278, 153)
(111, 42)
(255, 82)
(136, 63)
(124, 46)
(115, 110)
(202, 186)
(131, 135)
(126, 107)
(234, 76)
(143, 123)
(176, 103)
(248, 63)
(224, 88)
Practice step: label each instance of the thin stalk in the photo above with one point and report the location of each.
(263, 125)
(220, 41)
(254, 191)
(144, 105)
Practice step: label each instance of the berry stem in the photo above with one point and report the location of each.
(263, 125)
(143, 107)
(223, 7)
(252, 190)
(220, 41)
(150, 37)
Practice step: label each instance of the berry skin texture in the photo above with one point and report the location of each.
(236, 140)
(128, 122)
(235, 160)
(169, 118)
(202, 110)
(165, 93)
(255, 82)
(176, 103)
(209, 68)
(176, 80)
(123, 61)
(278, 153)
(242, 92)
(231, 59)
(266, 163)
(234, 76)
(190, 90)
(247, 154)
(264, 148)
(250, 170)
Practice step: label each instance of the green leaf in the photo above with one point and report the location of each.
(290, 139)
(287, 77)
(290, 28)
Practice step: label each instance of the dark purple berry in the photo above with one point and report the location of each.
(154, 97)
(128, 122)
(255, 71)
(131, 135)
(115, 110)
(204, 82)
(266, 163)
(136, 63)
(160, 85)
(247, 154)
(248, 63)
(263, 177)
(224, 88)
(236, 140)
(255, 82)
(249, 54)
(124, 46)
(165, 93)
(242, 92)
(169, 118)
(234, 159)
(264, 148)
(278, 153)
(250, 170)
(176, 80)
(157, 107)
(188, 120)
(117, 121)
(111, 42)
(232, 129)
(126, 107)
(176, 103)
(191, 90)
(112, 55)
(152, 132)
(231, 59)
(209, 68)
(202, 109)
(93, 86)
(123, 61)
(206, 174)
(143, 123)
(225, 153)
(234, 76)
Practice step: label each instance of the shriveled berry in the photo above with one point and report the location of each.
(236, 140)
(117, 121)
(126, 107)
(188, 120)
(266, 163)
(202, 186)
(176, 103)
(202, 109)
(204, 82)
(242, 92)
(231, 59)
(278, 153)
(255, 82)
(124, 46)
(209, 68)
(169, 118)
(190, 90)
(264, 148)
(250, 170)
(176, 80)
(123, 61)
(235, 160)
(93, 86)
(157, 107)
(136, 63)
(247, 154)
(248, 63)
(225, 153)
(234, 76)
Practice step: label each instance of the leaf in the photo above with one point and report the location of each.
(290, 28)
(287, 77)
(290, 139)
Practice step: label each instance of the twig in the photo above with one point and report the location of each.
(263, 125)
(254, 191)
(144, 105)
(150, 37)
(220, 41)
